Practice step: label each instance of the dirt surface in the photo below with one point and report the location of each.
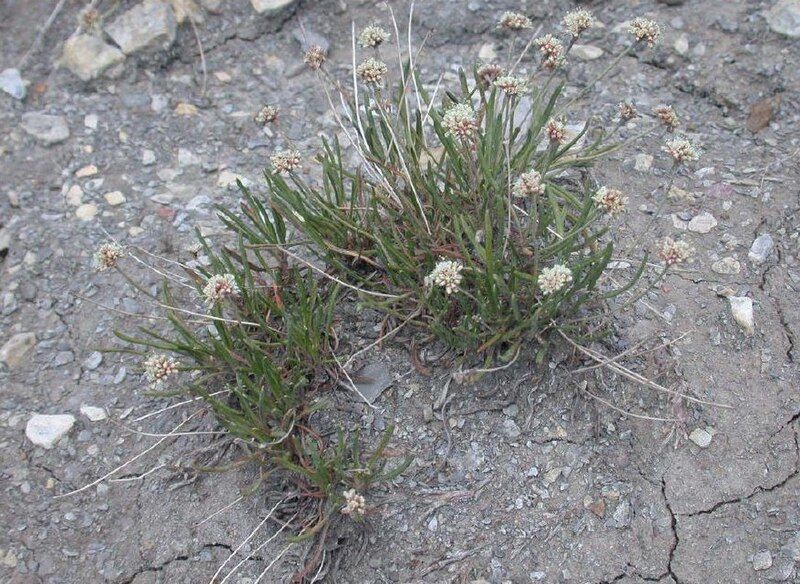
(519, 478)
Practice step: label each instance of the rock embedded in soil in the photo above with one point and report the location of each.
(586, 52)
(11, 82)
(784, 18)
(762, 561)
(270, 7)
(742, 310)
(702, 223)
(46, 430)
(88, 56)
(727, 266)
(94, 413)
(46, 128)
(150, 25)
(761, 248)
(14, 350)
(701, 437)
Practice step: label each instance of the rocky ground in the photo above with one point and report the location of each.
(522, 478)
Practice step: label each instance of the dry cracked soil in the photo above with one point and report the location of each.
(520, 478)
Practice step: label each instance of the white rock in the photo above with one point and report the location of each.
(86, 171)
(88, 56)
(681, 45)
(742, 310)
(187, 158)
(150, 25)
(14, 350)
(11, 82)
(187, 10)
(762, 561)
(45, 128)
(487, 53)
(643, 162)
(114, 198)
(90, 121)
(759, 251)
(94, 413)
(784, 18)
(271, 6)
(148, 157)
(228, 179)
(586, 52)
(86, 212)
(75, 195)
(45, 430)
(701, 437)
(702, 223)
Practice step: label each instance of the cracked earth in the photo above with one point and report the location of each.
(521, 478)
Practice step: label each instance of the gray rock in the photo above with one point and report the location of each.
(373, 379)
(510, 429)
(15, 349)
(701, 437)
(586, 52)
(11, 82)
(270, 7)
(728, 266)
(762, 561)
(93, 361)
(784, 18)
(742, 310)
(761, 248)
(88, 57)
(94, 413)
(46, 430)
(150, 25)
(46, 128)
(702, 223)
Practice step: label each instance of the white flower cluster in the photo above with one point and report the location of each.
(489, 72)
(578, 21)
(285, 161)
(373, 36)
(107, 256)
(515, 21)
(158, 368)
(556, 131)
(551, 280)
(610, 200)
(447, 274)
(552, 50)
(267, 115)
(674, 252)
(644, 29)
(355, 504)
(219, 287)
(372, 71)
(627, 111)
(528, 184)
(459, 121)
(511, 84)
(681, 150)
(667, 116)
(315, 57)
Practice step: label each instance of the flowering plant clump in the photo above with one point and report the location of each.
(158, 368)
(107, 256)
(373, 36)
(681, 150)
(515, 21)
(447, 274)
(285, 161)
(220, 287)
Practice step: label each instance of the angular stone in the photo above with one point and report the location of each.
(46, 128)
(46, 430)
(762, 561)
(88, 56)
(643, 162)
(742, 310)
(270, 7)
(150, 25)
(86, 212)
(14, 350)
(114, 198)
(727, 266)
(702, 223)
(784, 18)
(373, 379)
(11, 82)
(94, 413)
(761, 247)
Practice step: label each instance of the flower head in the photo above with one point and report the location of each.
(315, 57)
(511, 84)
(447, 274)
(285, 161)
(158, 368)
(459, 121)
(681, 150)
(267, 115)
(551, 280)
(219, 287)
(627, 111)
(644, 29)
(610, 200)
(372, 71)
(667, 116)
(355, 504)
(107, 256)
(373, 36)
(674, 252)
(552, 51)
(556, 131)
(487, 74)
(578, 21)
(528, 184)
(514, 21)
